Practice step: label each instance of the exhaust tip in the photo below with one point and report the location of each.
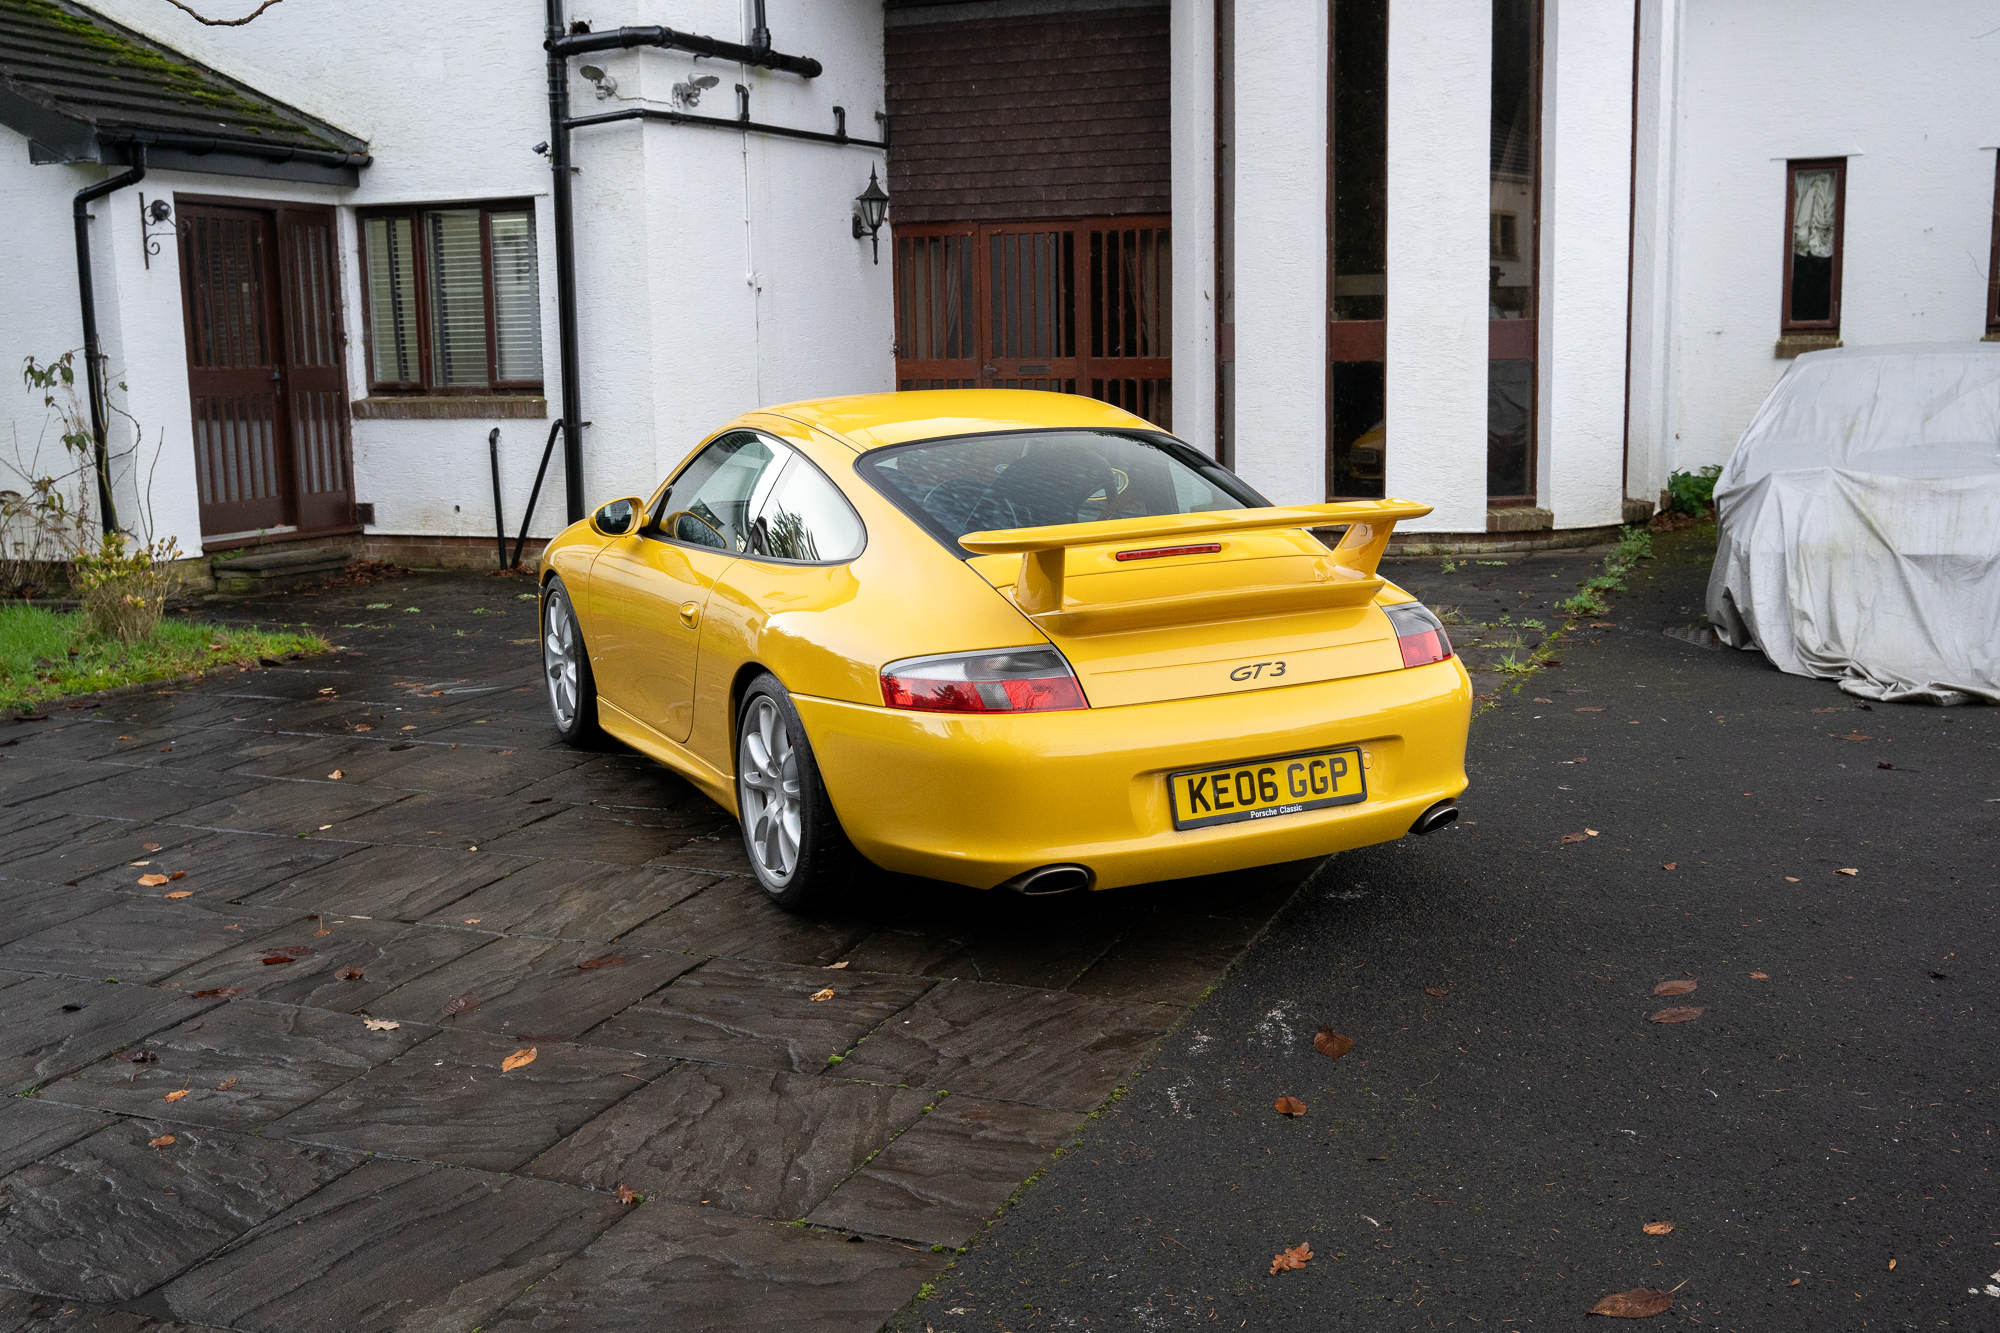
(1435, 818)
(1048, 881)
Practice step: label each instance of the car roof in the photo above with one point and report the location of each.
(871, 420)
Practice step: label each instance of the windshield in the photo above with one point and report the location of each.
(1031, 479)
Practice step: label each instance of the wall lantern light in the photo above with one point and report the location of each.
(156, 221)
(871, 209)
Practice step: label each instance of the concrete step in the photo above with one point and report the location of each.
(277, 569)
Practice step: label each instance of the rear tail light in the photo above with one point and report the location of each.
(1011, 680)
(1419, 633)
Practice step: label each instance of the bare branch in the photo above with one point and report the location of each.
(222, 23)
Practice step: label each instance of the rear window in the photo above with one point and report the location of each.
(1032, 479)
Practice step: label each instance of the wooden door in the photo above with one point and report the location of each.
(260, 303)
(1080, 306)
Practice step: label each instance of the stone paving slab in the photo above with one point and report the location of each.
(721, 1274)
(586, 833)
(140, 939)
(734, 919)
(31, 1129)
(145, 794)
(387, 954)
(1045, 1047)
(760, 1015)
(239, 1066)
(534, 988)
(29, 1312)
(431, 819)
(303, 808)
(23, 777)
(111, 1216)
(50, 1026)
(35, 844)
(947, 1177)
(448, 1100)
(623, 779)
(573, 900)
(399, 883)
(219, 866)
(745, 1140)
(394, 1246)
(27, 907)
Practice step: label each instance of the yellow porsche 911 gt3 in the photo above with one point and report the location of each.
(1005, 639)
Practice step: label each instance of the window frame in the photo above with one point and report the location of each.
(1993, 263)
(424, 386)
(1831, 325)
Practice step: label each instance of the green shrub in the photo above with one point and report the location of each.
(1693, 493)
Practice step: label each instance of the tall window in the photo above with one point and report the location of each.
(1993, 264)
(1513, 211)
(453, 299)
(1358, 302)
(1815, 198)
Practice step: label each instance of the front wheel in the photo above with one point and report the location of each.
(566, 666)
(790, 833)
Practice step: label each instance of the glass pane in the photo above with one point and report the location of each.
(807, 519)
(1360, 158)
(457, 297)
(517, 296)
(979, 482)
(1812, 245)
(1511, 258)
(711, 502)
(1360, 446)
(1510, 399)
(392, 299)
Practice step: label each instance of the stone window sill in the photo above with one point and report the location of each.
(1793, 344)
(450, 407)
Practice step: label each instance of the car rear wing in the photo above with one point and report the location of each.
(1038, 590)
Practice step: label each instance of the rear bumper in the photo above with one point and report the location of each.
(978, 799)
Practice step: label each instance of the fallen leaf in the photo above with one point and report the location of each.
(1575, 837)
(1826, 710)
(464, 1004)
(151, 846)
(524, 1056)
(1293, 1258)
(1590, 710)
(181, 893)
(1637, 1303)
(608, 960)
(138, 863)
(474, 920)
(1791, 879)
(381, 1024)
(279, 960)
(826, 994)
(1760, 976)
(328, 690)
(1676, 1015)
(1795, 1281)
(175, 1096)
(141, 1056)
(1669, 865)
(834, 967)
(225, 1085)
(322, 931)
(1853, 736)
(1678, 986)
(348, 974)
(1657, 1228)
(1892, 1263)
(152, 881)
(338, 774)
(178, 874)
(1603, 624)
(626, 1194)
(1883, 763)
(1837, 872)
(324, 827)
(1331, 1044)
(1544, 701)
(1590, 833)
(1437, 990)
(220, 993)
(1291, 1106)
(164, 1141)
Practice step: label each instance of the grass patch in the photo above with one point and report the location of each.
(47, 655)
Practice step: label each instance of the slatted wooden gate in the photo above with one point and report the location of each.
(261, 302)
(1074, 307)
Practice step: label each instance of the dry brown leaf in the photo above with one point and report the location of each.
(1791, 879)
(1637, 1303)
(152, 881)
(1678, 986)
(225, 1085)
(1849, 871)
(1295, 1257)
(1760, 976)
(220, 993)
(175, 1096)
(348, 974)
(826, 994)
(338, 774)
(178, 874)
(1676, 1015)
(1576, 837)
(626, 1194)
(834, 967)
(322, 931)
(164, 1141)
(1590, 833)
(279, 960)
(1669, 865)
(1855, 736)
(1892, 1263)
(464, 1004)
(1291, 1106)
(1658, 1228)
(181, 893)
(1331, 1044)
(524, 1056)
(381, 1024)
(1795, 1281)
(1590, 710)
(1437, 990)
(608, 960)
(151, 846)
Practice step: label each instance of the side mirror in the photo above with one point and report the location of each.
(620, 518)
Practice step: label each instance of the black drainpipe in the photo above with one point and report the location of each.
(561, 202)
(93, 352)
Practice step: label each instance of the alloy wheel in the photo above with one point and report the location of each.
(560, 649)
(768, 777)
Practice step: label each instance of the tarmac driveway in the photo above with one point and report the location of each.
(335, 994)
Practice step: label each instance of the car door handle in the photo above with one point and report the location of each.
(690, 613)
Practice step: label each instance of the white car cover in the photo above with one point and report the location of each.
(1859, 523)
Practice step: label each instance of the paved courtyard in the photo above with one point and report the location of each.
(335, 994)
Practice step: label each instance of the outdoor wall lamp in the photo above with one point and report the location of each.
(871, 209)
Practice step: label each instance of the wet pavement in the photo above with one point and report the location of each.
(273, 946)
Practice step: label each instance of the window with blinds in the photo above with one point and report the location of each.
(454, 299)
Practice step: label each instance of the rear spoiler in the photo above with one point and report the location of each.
(1039, 588)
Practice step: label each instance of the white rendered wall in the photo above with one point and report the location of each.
(1915, 105)
(1440, 117)
(1192, 37)
(1649, 434)
(1586, 183)
(1280, 244)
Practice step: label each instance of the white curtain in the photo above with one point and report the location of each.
(1812, 214)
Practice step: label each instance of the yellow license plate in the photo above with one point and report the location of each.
(1267, 788)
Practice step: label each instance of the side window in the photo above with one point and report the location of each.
(807, 518)
(712, 501)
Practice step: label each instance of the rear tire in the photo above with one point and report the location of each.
(566, 669)
(794, 841)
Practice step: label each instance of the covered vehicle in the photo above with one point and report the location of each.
(1859, 523)
(1004, 638)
